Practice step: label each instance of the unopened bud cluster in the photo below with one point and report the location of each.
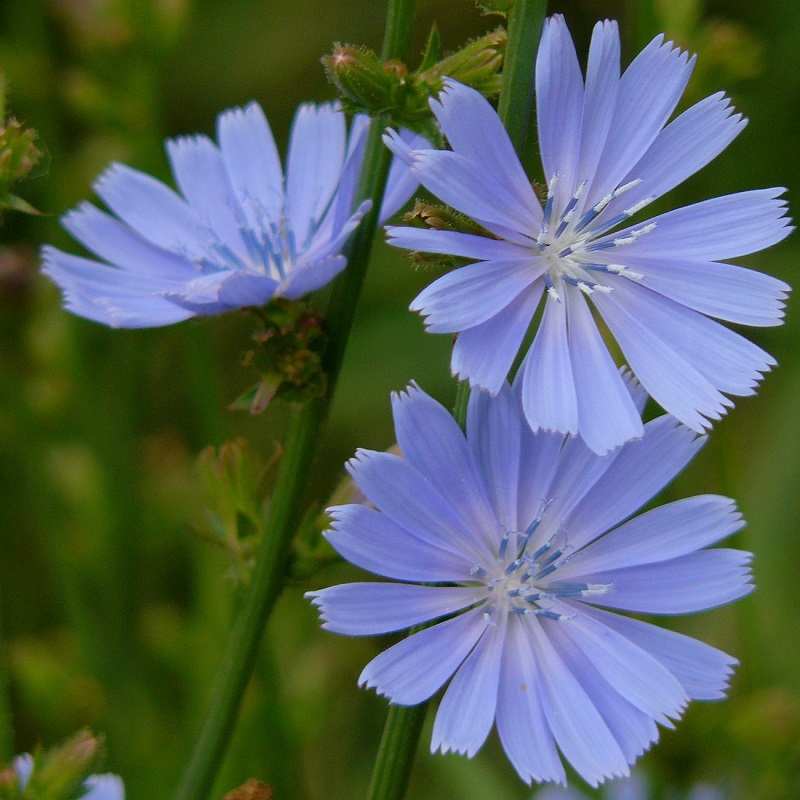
(370, 85)
(287, 355)
(18, 156)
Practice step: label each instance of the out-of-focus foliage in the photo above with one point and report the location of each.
(115, 611)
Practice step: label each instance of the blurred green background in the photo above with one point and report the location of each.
(116, 607)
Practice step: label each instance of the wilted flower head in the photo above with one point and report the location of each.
(511, 546)
(240, 234)
(607, 152)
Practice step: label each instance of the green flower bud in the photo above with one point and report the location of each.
(477, 64)
(364, 81)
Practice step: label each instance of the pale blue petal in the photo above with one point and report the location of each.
(466, 713)
(310, 277)
(401, 148)
(409, 499)
(370, 540)
(468, 186)
(23, 766)
(314, 164)
(640, 469)
(153, 210)
(114, 242)
(104, 787)
(245, 289)
(415, 668)
(539, 460)
(685, 146)
(578, 470)
(466, 245)
(666, 375)
(725, 291)
(328, 242)
(124, 311)
(223, 290)
(521, 723)
(727, 360)
(109, 295)
(694, 582)
(631, 671)
(252, 161)
(660, 534)
(702, 670)
(633, 730)
(342, 205)
(474, 130)
(473, 294)
(494, 435)
(200, 173)
(367, 609)
(712, 230)
(401, 183)
(485, 353)
(649, 90)
(600, 98)
(548, 386)
(432, 442)
(579, 729)
(607, 415)
(559, 106)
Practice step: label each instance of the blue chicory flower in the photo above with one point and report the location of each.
(511, 546)
(241, 233)
(95, 787)
(636, 787)
(607, 152)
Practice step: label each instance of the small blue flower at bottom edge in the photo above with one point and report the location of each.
(637, 787)
(511, 546)
(96, 787)
(240, 234)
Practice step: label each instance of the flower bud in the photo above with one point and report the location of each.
(364, 81)
(477, 64)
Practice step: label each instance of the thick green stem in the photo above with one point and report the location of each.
(400, 740)
(396, 752)
(525, 20)
(301, 445)
(6, 726)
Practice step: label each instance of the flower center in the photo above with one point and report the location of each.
(526, 580)
(566, 240)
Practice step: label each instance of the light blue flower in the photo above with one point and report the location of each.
(607, 152)
(636, 787)
(241, 234)
(512, 545)
(95, 787)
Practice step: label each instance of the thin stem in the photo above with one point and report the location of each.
(396, 752)
(460, 406)
(525, 20)
(265, 585)
(301, 445)
(6, 726)
(401, 733)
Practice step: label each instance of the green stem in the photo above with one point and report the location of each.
(460, 406)
(6, 726)
(396, 752)
(265, 585)
(301, 445)
(401, 733)
(525, 20)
